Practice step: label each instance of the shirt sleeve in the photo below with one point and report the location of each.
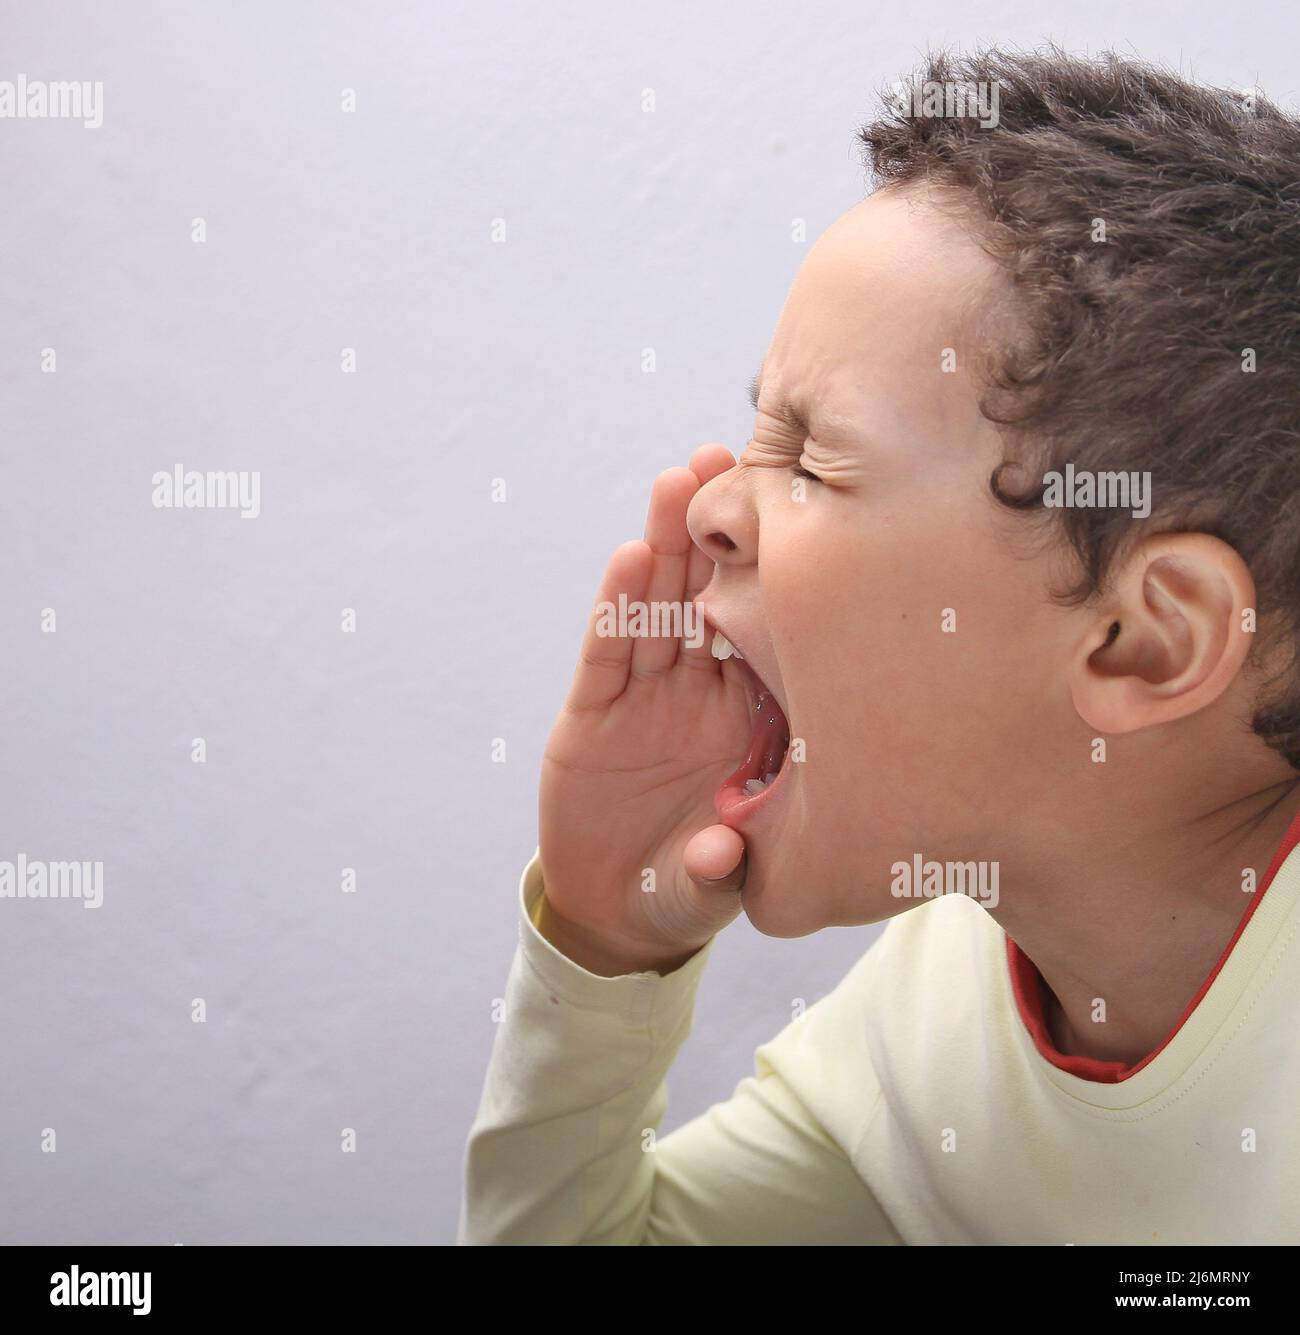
(565, 1149)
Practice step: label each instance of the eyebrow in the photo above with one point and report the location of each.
(786, 412)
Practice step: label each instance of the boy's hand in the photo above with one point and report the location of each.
(649, 731)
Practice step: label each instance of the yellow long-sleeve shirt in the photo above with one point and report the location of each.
(909, 1105)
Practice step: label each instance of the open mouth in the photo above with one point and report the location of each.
(768, 757)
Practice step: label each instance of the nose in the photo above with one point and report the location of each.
(722, 520)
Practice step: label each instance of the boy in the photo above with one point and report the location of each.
(1002, 598)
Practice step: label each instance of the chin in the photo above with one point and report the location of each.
(781, 898)
(788, 895)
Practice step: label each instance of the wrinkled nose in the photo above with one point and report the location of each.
(722, 520)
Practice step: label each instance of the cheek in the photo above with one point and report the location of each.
(903, 639)
(813, 594)
(828, 605)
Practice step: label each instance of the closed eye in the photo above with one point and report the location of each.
(801, 471)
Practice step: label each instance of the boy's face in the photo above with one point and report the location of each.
(897, 612)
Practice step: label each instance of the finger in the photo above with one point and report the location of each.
(667, 536)
(710, 460)
(715, 861)
(605, 661)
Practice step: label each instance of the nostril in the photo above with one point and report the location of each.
(723, 541)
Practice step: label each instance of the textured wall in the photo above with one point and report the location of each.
(475, 359)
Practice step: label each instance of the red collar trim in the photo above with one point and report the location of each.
(1028, 988)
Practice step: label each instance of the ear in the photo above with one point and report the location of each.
(1168, 637)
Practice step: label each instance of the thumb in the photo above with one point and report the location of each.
(714, 859)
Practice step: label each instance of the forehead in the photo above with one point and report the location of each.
(885, 290)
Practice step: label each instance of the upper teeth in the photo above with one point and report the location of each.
(723, 647)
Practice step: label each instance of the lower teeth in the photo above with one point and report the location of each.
(755, 786)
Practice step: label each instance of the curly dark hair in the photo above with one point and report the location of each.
(1132, 341)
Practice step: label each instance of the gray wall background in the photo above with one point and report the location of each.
(475, 360)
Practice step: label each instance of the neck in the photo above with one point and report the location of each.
(1163, 898)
